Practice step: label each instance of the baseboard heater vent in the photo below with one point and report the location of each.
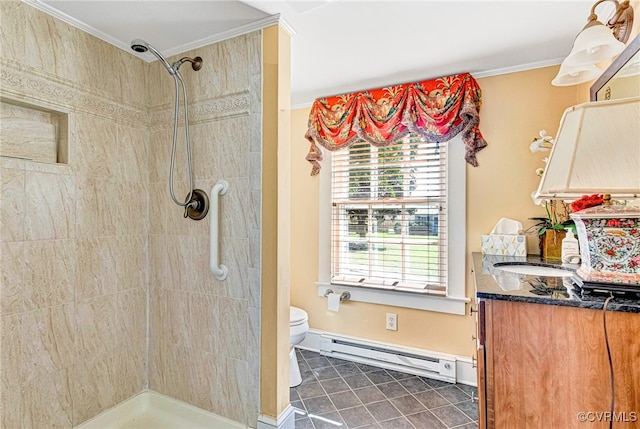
(411, 361)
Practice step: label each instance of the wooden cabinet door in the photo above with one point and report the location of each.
(547, 364)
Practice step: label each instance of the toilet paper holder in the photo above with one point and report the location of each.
(344, 296)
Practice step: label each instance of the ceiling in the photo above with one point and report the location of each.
(348, 45)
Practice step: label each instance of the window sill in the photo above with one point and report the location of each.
(407, 299)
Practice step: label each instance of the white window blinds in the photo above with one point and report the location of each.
(389, 215)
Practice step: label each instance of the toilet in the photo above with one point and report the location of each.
(298, 328)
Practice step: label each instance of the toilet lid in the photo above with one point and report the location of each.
(297, 315)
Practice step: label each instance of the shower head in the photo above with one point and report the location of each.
(141, 46)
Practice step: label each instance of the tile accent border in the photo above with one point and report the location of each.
(230, 106)
(22, 83)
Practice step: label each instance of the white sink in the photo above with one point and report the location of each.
(533, 269)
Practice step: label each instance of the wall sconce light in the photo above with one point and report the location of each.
(595, 43)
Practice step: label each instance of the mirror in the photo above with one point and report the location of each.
(622, 78)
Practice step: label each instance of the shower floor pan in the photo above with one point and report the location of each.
(151, 410)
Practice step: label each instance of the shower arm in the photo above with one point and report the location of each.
(196, 63)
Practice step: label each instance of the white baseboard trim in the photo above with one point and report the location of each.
(286, 420)
(465, 372)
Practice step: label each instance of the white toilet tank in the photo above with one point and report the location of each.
(298, 325)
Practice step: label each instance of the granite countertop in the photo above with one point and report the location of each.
(493, 283)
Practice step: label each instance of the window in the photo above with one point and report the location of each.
(389, 216)
(392, 223)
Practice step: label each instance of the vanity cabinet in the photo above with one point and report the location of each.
(545, 364)
(543, 361)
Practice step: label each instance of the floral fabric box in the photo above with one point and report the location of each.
(504, 244)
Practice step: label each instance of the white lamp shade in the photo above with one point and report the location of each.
(597, 151)
(573, 75)
(594, 44)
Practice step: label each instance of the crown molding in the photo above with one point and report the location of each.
(259, 24)
(256, 25)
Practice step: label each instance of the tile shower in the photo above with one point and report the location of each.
(105, 286)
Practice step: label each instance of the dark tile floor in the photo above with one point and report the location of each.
(338, 394)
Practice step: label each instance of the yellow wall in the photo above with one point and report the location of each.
(515, 107)
(276, 142)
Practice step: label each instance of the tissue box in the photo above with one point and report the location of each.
(504, 244)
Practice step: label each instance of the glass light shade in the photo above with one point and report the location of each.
(594, 44)
(597, 150)
(573, 75)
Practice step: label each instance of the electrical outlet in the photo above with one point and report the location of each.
(392, 321)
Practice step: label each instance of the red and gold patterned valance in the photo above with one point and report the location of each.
(435, 109)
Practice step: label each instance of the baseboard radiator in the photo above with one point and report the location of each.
(412, 361)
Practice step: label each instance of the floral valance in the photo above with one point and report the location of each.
(435, 109)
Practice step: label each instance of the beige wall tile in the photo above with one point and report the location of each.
(11, 405)
(96, 207)
(12, 32)
(232, 148)
(206, 141)
(203, 279)
(96, 267)
(46, 401)
(77, 358)
(155, 320)
(180, 259)
(129, 372)
(203, 321)
(11, 350)
(232, 378)
(177, 224)
(133, 154)
(158, 260)
(12, 209)
(49, 206)
(255, 172)
(92, 387)
(225, 69)
(49, 273)
(175, 317)
(48, 340)
(255, 294)
(235, 209)
(231, 336)
(12, 262)
(96, 326)
(253, 363)
(96, 144)
(97, 68)
(158, 207)
(236, 257)
(254, 47)
(132, 263)
(199, 380)
(48, 42)
(160, 86)
(177, 373)
(132, 73)
(132, 214)
(131, 317)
